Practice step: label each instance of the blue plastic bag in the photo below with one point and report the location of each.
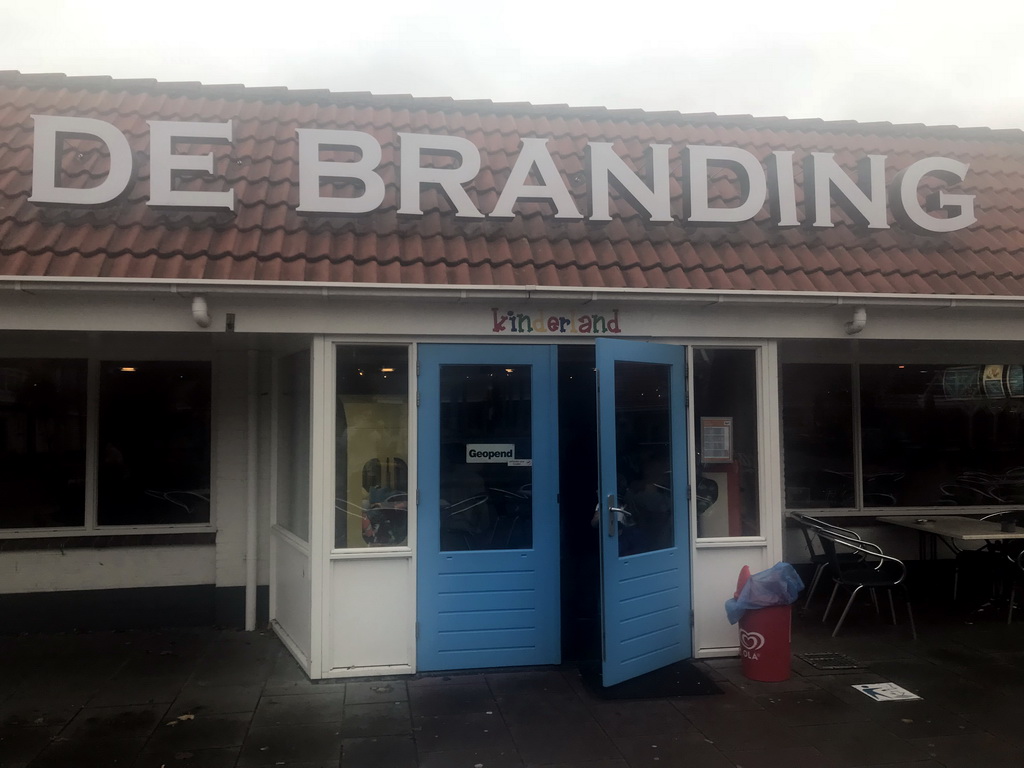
(779, 585)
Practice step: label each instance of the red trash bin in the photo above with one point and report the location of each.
(765, 640)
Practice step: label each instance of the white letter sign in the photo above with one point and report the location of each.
(414, 176)
(782, 188)
(606, 165)
(50, 132)
(312, 169)
(164, 163)
(907, 209)
(534, 154)
(751, 179)
(864, 207)
(339, 172)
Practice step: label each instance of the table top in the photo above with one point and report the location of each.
(955, 527)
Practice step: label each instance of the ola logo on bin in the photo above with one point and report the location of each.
(751, 642)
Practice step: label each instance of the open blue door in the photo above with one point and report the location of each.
(645, 547)
(488, 555)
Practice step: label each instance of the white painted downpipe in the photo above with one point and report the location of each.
(200, 312)
(860, 319)
(251, 516)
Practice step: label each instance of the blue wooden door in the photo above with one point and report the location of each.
(645, 548)
(488, 535)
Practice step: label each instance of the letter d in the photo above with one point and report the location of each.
(50, 132)
(613, 323)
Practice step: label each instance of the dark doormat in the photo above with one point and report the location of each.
(679, 679)
(829, 661)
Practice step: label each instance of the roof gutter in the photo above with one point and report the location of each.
(205, 289)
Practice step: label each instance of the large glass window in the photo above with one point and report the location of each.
(817, 436)
(371, 447)
(150, 442)
(725, 418)
(154, 443)
(42, 443)
(936, 435)
(929, 434)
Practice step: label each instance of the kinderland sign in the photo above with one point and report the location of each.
(866, 198)
(511, 321)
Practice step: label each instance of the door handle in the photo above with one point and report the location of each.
(613, 514)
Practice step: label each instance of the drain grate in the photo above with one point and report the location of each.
(829, 660)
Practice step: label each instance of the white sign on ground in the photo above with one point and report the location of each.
(886, 692)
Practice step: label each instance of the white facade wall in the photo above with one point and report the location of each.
(105, 568)
(159, 325)
(230, 450)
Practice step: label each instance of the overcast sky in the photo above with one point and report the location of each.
(935, 62)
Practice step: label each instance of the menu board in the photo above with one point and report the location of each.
(992, 381)
(715, 439)
(962, 382)
(1015, 380)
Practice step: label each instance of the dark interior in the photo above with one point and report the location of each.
(578, 460)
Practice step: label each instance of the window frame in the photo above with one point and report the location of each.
(329, 480)
(882, 354)
(91, 526)
(762, 362)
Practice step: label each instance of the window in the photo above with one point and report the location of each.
(151, 442)
(643, 456)
(937, 435)
(817, 435)
(42, 443)
(371, 447)
(486, 502)
(154, 443)
(929, 435)
(725, 416)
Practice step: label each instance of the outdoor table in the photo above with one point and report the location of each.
(951, 527)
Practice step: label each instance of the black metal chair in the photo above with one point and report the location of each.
(463, 522)
(877, 571)
(512, 519)
(809, 527)
(1016, 580)
(969, 491)
(1007, 561)
(987, 562)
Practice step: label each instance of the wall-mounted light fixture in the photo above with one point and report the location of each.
(856, 325)
(200, 312)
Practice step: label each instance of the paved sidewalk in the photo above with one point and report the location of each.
(214, 699)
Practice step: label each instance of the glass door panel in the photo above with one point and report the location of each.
(643, 457)
(486, 457)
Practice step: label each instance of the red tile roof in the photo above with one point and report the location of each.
(267, 239)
